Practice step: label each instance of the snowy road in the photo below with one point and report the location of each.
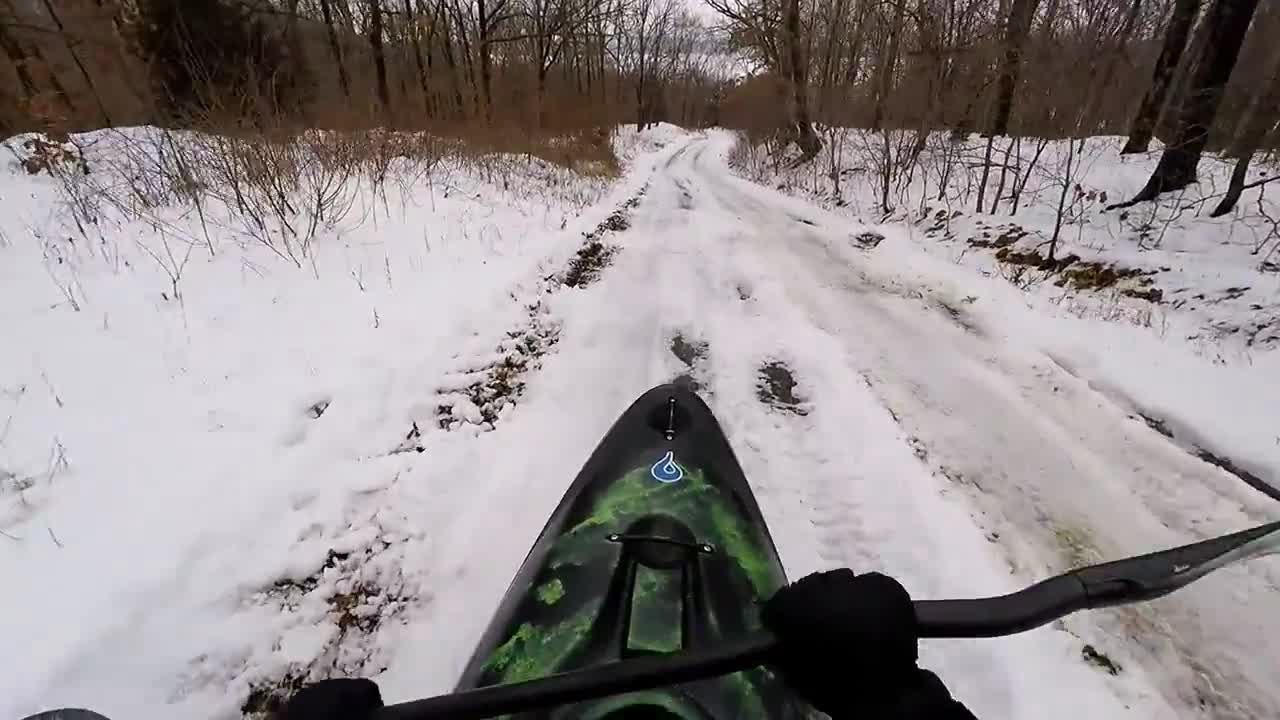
(1057, 474)
(923, 443)
(306, 510)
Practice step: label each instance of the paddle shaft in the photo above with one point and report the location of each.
(1124, 581)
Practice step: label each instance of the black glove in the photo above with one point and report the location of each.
(847, 644)
(339, 699)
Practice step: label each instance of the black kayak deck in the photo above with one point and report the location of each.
(658, 545)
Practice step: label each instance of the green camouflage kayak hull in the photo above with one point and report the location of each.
(657, 546)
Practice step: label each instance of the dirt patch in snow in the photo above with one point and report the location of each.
(1020, 249)
(586, 266)
(595, 255)
(691, 355)
(1194, 446)
(1225, 463)
(358, 602)
(1157, 424)
(687, 352)
(868, 240)
(500, 384)
(776, 387)
(1077, 274)
(960, 317)
(1093, 657)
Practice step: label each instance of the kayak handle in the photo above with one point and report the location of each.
(1136, 579)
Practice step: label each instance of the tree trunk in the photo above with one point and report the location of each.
(797, 79)
(1015, 35)
(1225, 28)
(450, 63)
(379, 61)
(542, 96)
(23, 58)
(75, 57)
(486, 68)
(888, 61)
(855, 47)
(1062, 199)
(18, 58)
(334, 45)
(834, 25)
(1115, 53)
(1175, 42)
(1259, 121)
(412, 23)
(469, 63)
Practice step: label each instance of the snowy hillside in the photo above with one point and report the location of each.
(224, 472)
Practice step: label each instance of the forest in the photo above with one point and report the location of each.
(1195, 74)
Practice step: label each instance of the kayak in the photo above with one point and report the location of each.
(657, 547)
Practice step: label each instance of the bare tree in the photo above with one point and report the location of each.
(1259, 123)
(1224, 31)
(1114, 50)
(888, 63)
(1175, 41)
(75, 57)
(335, 47)
(414, 32)
(379, 57)
(644, 30)
(1017, 26)
(774, 33)
(796, 70)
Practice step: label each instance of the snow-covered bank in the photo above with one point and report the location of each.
(205, 493)
(1198, 362)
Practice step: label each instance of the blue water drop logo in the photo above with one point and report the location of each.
(667, 470)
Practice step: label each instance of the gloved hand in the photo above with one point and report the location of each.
(847, 644)
(338, 699)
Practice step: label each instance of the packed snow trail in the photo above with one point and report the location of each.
(1058, 475)
(934, 450)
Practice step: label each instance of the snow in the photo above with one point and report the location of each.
(1201, 361)
(301, 472)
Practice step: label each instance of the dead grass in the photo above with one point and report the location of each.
(586, 152)
(276, 185)
(1072, 272)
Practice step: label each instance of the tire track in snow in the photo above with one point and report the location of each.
(482, 396)
(833, 514)
(1180, 435)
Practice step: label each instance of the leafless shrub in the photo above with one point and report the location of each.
(173, 265)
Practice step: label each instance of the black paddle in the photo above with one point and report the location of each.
(1136, 579)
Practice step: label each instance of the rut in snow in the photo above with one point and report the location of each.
(482, 395)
